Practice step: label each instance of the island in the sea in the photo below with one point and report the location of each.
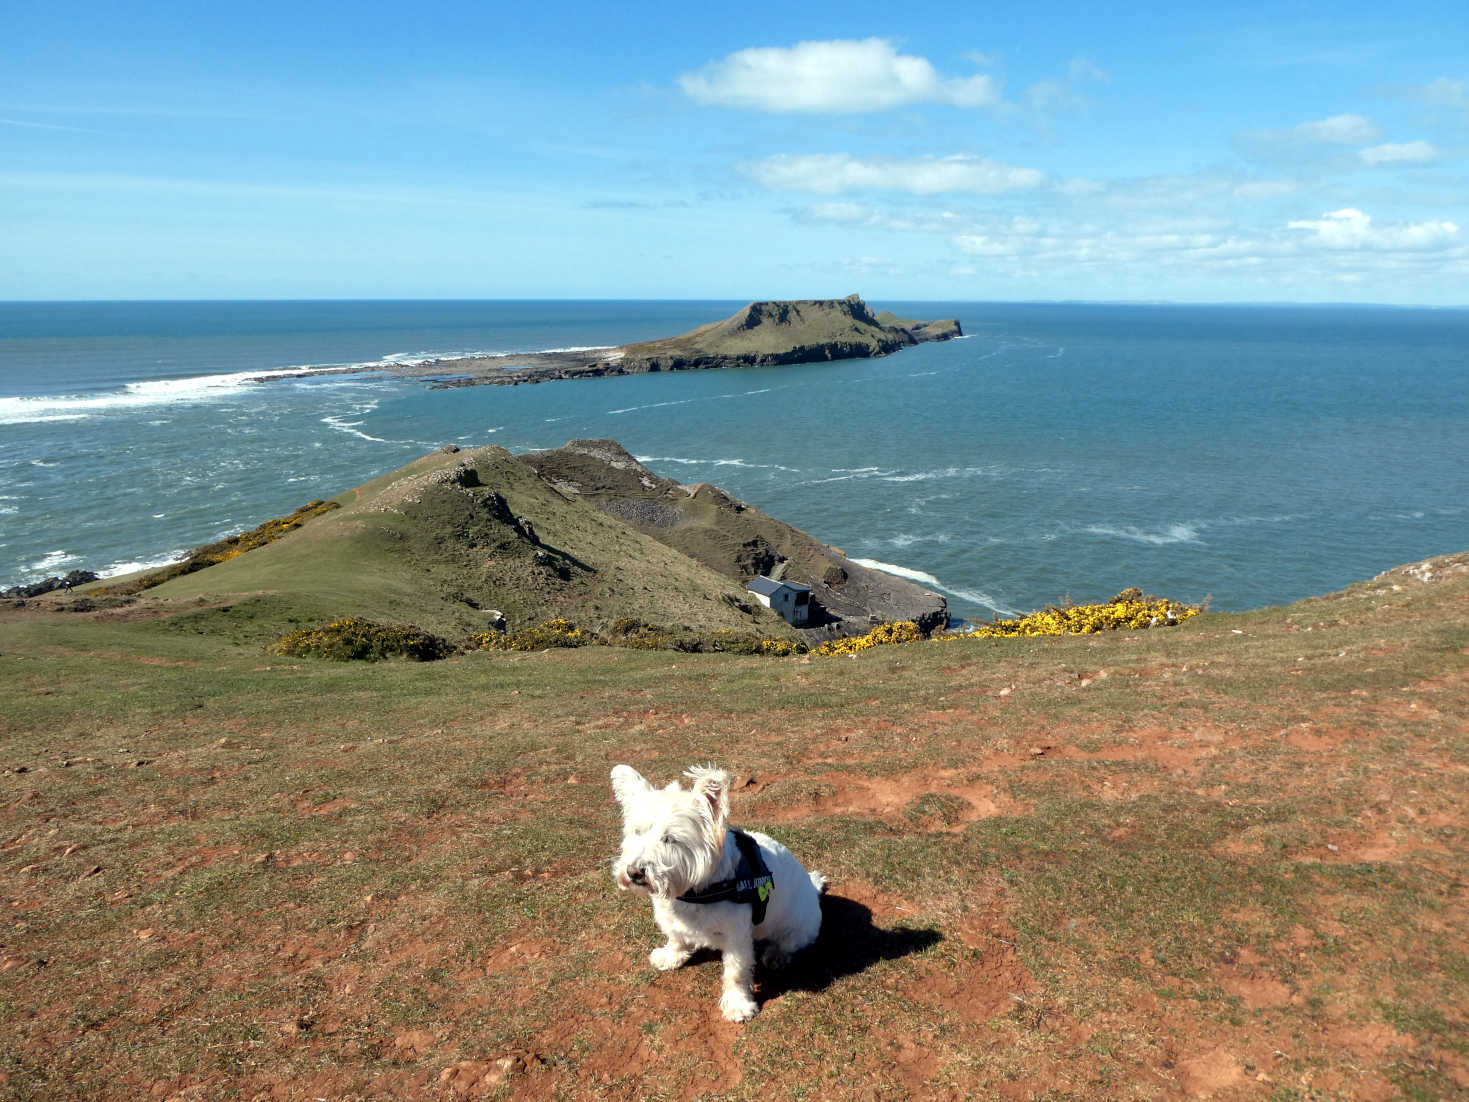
(763, 333)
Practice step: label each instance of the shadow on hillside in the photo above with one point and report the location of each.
(849, 944)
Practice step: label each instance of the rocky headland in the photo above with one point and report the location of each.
(762, 334)
(736, 540)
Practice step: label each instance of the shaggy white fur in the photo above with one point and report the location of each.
(677, 840)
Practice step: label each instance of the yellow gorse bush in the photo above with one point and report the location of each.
(1085, 620)
(559, 632)
(355, 639)
(1124, 612)
(884, 635)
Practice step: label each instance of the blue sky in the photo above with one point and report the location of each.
(1272, 152)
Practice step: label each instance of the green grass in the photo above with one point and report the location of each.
(226, 871)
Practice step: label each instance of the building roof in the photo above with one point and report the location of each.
(769, 587)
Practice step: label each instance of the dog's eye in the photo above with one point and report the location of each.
(669, 840)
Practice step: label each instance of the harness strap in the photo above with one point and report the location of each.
(751, 883)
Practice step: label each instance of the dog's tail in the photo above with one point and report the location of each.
(818, 882)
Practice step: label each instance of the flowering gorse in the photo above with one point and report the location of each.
(1132, 613)
(559, 632)
(356, 639)
(903, 631)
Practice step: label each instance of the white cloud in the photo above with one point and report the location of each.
(1339, 130)
(1049, 98)
(843, 76)
(1308, 140)
(978, 244)
(1082, 68)
(1393, 153)
(833, 173)
(849, 213)
(1444, 92)
(1265, 189)
(1350, 228)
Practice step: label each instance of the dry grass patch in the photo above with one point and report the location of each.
(1224, 859)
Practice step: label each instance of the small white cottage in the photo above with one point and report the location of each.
(791, 599)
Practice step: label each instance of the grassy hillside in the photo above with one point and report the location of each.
(778, 331)
(439, 543)
(1222, 860)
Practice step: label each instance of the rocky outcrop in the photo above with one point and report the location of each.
(735, 539)
(49, 585)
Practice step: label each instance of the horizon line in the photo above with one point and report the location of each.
(1332, 303)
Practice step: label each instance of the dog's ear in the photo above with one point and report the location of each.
(712, 786)
(628, 784)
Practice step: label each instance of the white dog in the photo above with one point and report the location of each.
(712, 886)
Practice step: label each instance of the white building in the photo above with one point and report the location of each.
(791, 599)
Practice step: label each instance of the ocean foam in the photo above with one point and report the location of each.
(139, 395)
(350, 427)
(52, 562)
(1173, 533)
(112, 570)
(745, 463)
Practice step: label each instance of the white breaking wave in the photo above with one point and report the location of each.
(112, 570)
(139, 395)
(351, 428)
(646, 459)
(688, 401)
(974, 596)
(418, 359)
(654, 405)
(52, 562)
(846, 474)
(1173, 533)
(948, 472)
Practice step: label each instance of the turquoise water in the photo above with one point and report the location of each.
(1255, 454)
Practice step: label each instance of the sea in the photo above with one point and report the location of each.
(1251, 455)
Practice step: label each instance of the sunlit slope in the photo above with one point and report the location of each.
(444, 540)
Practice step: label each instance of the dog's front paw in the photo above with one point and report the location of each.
(736, 1006)
(666, 958)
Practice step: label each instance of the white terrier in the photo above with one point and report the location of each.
(712, 886)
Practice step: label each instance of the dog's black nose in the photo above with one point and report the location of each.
(637, 876)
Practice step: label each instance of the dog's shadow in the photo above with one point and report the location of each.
(849, 943)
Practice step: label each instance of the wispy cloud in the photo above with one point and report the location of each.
(1049, 98)
(1308, 140)
(1397, 153)
(48, 126)
(834, 173)
(114, 184)
(1444, 92)
(837, 77)
(1338, 130)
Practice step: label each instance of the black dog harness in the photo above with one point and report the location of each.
(751, 882)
